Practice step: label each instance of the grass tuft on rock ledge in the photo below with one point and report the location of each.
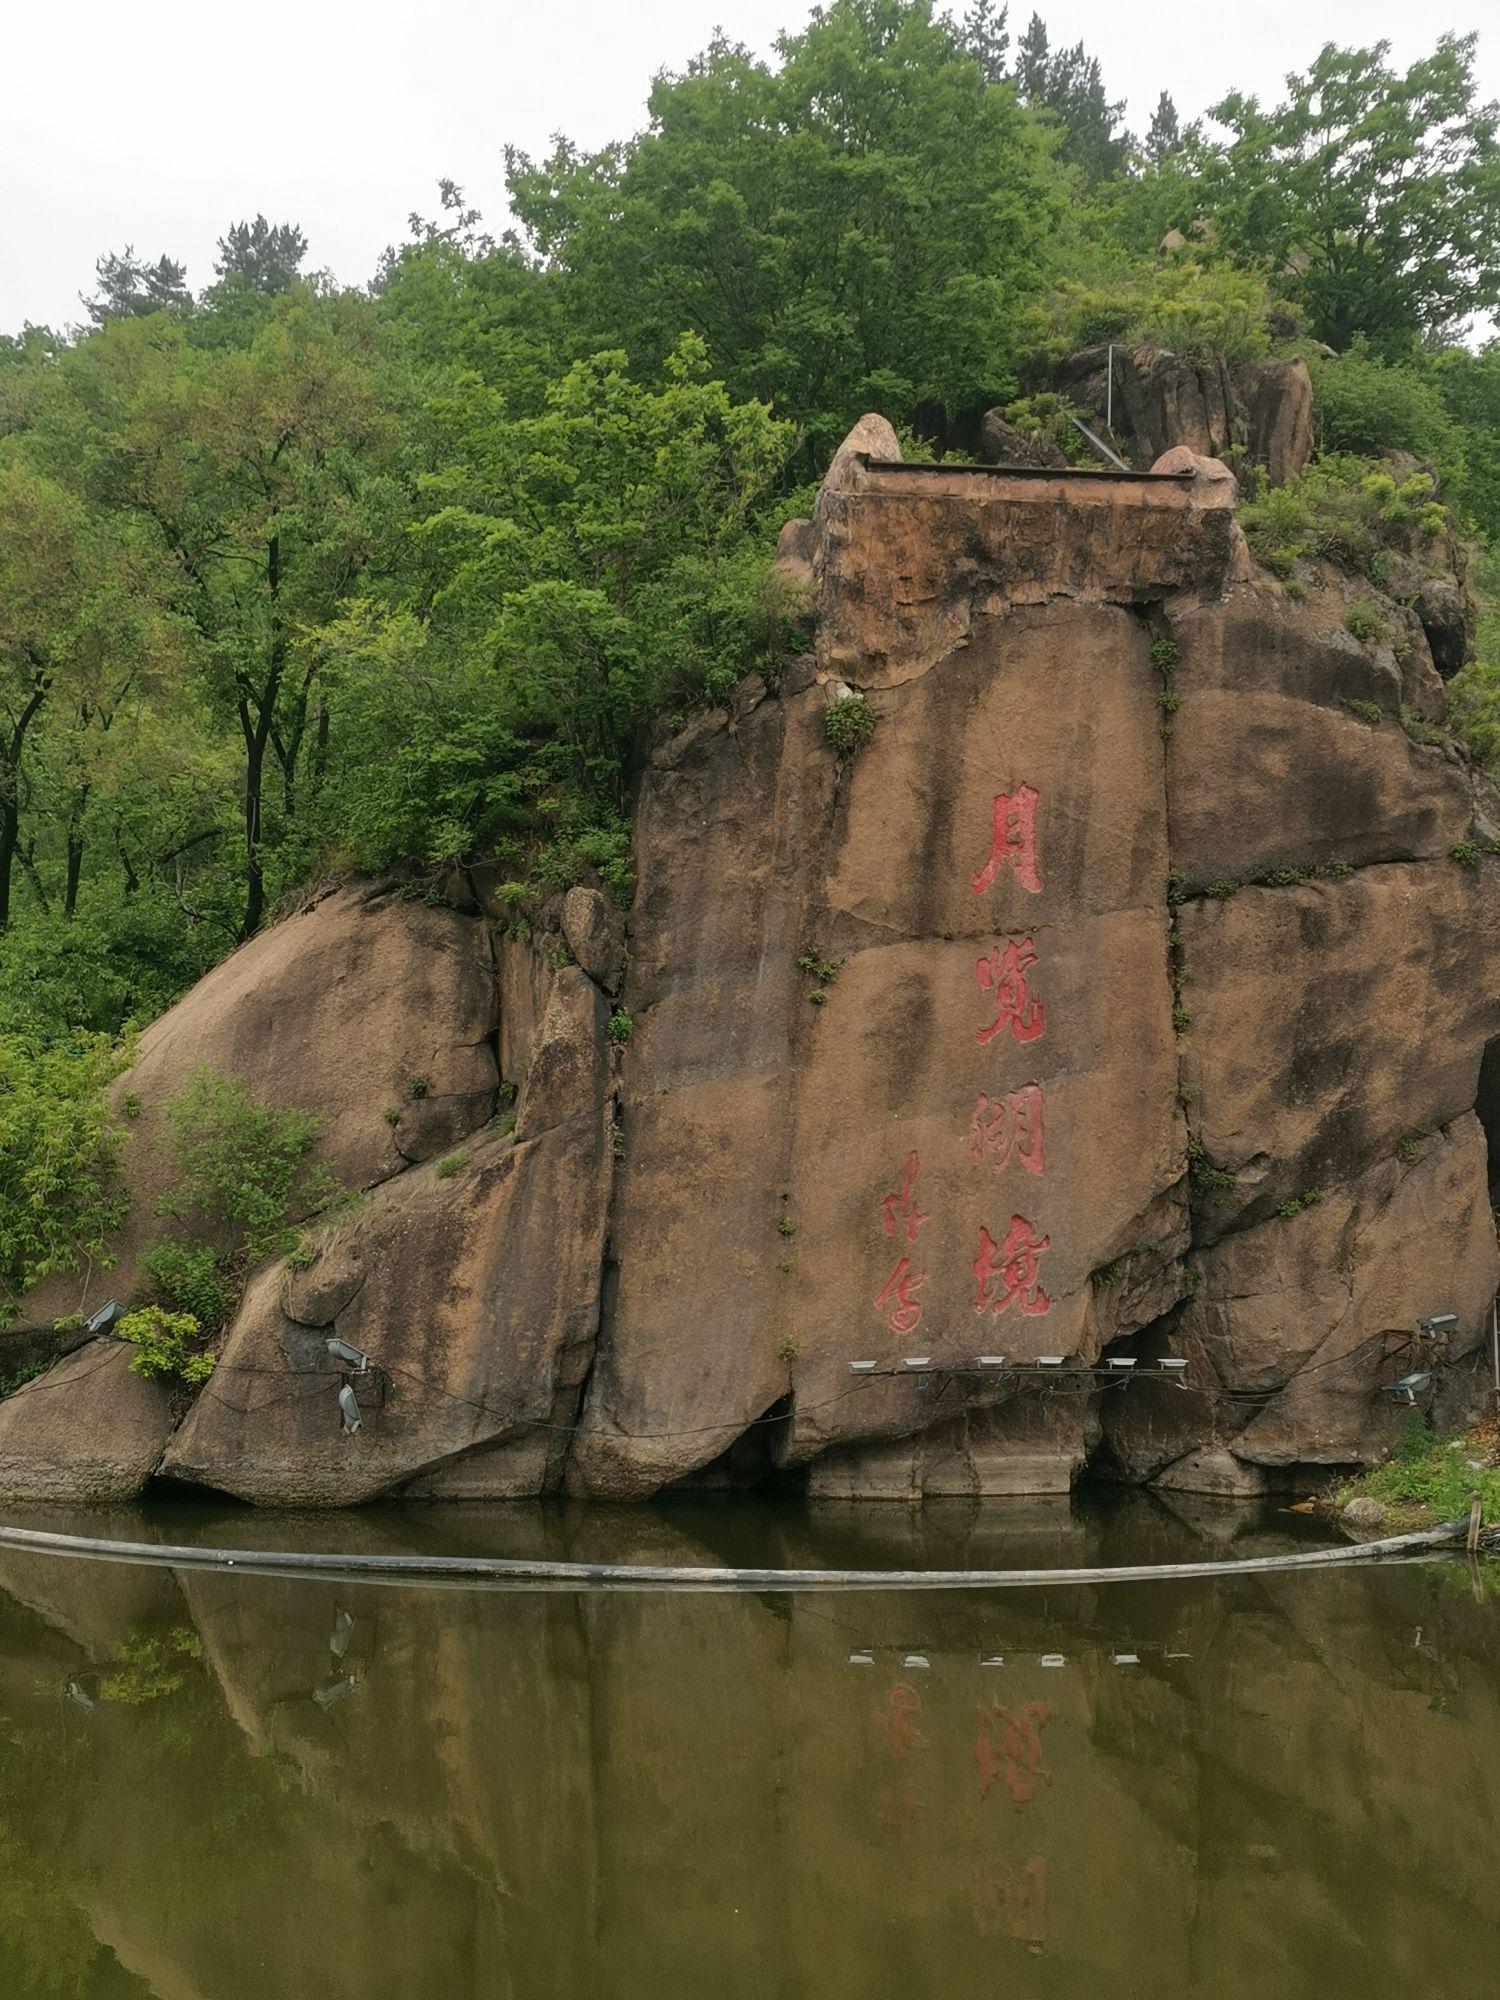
(1432, 1476)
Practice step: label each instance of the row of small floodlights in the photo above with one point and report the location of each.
(924, 1364)
(920, 1663)
(1436, 1326)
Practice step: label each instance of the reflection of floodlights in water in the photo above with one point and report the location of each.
(76, 1692)
(342, 1351)
(326, 1696)
(1437, 1326)
(861, 1659)
(343, 1631)
(104, 1319)
(916, 1660)
(349, 1410)
(1409, 1387)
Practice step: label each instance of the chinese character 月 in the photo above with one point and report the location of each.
(1003, 972)
(1013, 842)
(1011, 1271)
(1008, 1128)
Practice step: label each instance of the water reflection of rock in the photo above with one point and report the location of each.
(624, 1795)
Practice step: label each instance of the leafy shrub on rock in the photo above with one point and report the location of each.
(60, 1197)
(166, 1344)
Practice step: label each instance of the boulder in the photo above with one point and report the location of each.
(1364, 1516)
(89, 1430)
(1447, 615)
(1161, 398)
(475, 1294)
(1287, 751)
(361, 1005)
(1277, 402)
(595, 931)
(1000, 443)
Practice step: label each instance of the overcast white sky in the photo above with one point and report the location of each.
(157, 122)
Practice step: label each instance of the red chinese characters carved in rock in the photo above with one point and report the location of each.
(1011, 1273)
(1003, 973)
(898, 1296)
(1002, 1129)
(1013, 842)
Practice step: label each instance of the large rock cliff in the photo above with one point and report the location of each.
(1120, 999)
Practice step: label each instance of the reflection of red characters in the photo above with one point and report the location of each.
(1021, 1746)
(1008, 1128)
(1004, 972)
(905, 1203)
(898, 1293)
(897, 1718)
(1012, 1272)
(1013, 841)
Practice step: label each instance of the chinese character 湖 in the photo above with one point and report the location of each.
(1008, 1128)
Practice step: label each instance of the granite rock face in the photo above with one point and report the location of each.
(360, 1005)
(1120, 1000)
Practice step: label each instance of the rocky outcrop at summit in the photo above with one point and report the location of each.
(1162, 398)
(1124, 997)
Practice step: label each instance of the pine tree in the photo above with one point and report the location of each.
(264, 257)
(986, 36)
(1033, 62)
(1164, 135)
(129, 287)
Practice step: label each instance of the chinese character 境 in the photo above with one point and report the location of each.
(1011, 1272)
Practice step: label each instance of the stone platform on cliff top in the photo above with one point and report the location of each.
(1120, 997)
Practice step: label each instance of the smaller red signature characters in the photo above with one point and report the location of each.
(1011, 1272)
(904, 1204)
(1002, 1129)
(899, 1294)
(1003, 972)
(1013, 841)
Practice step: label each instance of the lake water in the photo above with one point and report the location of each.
(223, 1787)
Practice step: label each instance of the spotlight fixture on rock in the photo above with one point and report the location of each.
(349, 1410)
(354, 1356)
(1408, 1387)
(105, 1317)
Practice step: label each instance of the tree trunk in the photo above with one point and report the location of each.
(10, 834)
(75, 850)
(257, 733)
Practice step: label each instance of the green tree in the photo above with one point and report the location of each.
(1375, 194)
(1164, 137)
(266, 257)
(130, 287)
(986, 36)
(252, 467)
(853, 229)
(1067, 88)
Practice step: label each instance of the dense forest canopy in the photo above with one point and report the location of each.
(297, 579)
